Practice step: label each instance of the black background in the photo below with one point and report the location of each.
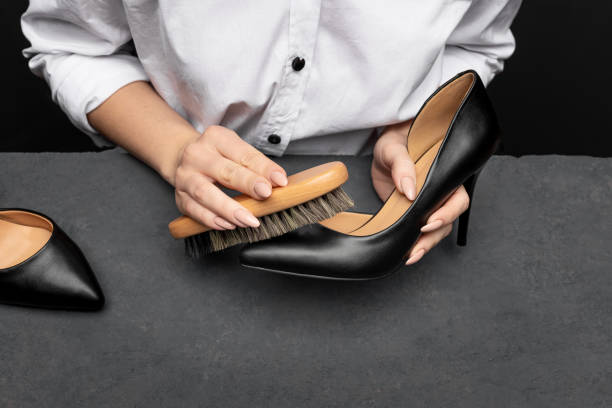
(553, 96)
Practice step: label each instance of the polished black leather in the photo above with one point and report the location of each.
(57, 276)
(316, 251)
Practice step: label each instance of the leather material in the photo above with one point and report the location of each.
(57, 276)
(316, 251)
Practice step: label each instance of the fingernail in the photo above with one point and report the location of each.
(247, 218)
(416, 257)
(223, 223)
(408, 187)
(279, 178)
(432, 226)
(262, 189)
(240, 223)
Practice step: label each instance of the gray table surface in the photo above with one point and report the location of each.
(522, 316)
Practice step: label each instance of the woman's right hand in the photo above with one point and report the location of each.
(138, 119)
(220, 156)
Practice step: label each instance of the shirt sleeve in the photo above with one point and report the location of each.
(81, 48)
(482, 41)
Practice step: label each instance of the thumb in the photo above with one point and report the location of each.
(403, 171)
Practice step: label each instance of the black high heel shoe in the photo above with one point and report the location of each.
(41, 266)
(450, 140)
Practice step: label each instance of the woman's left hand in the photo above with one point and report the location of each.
(392, 168)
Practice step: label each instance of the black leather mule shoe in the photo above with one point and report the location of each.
(41, 266)
(450, 140)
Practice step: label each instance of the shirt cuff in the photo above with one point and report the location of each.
(81, 83)
(456, 59)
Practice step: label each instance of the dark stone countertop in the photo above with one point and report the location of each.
(522, 316)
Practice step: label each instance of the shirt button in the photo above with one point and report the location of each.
(274, 139)
(298, 63)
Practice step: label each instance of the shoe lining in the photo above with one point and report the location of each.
(22, 234)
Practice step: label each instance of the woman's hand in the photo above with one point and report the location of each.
(392, 168)
(138, 119)
(219, 155)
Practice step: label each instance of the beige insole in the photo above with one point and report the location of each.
(346, 222)
(424, 141)
(22, 234)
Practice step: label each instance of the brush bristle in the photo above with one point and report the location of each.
(272, 225)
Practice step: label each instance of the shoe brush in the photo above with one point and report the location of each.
(310, 196)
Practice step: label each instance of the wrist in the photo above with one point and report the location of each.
(167, 167)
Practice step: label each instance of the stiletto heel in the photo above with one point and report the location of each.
(451, 138)
(464, 219)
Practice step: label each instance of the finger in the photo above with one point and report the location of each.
(402, 167)
(415, 256)
(193, 209)
(454, 206)
(426, 242)
(239, 151)
(393, 134)
(232, 175)
(212, 198)
(400, 128)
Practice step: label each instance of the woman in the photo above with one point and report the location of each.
(202, 90)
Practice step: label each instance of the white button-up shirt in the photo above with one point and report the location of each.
(366, 64)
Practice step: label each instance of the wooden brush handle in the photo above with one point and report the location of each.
(303, 186)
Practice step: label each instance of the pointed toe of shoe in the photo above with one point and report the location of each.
(315, 252)
(281, 254)
(64, 289)
(56, 277)
(260, 255)
(89, 299)
(72, 285)
(70, 279)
